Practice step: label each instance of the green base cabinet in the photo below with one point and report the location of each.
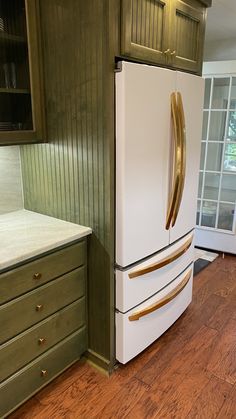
(44, 330)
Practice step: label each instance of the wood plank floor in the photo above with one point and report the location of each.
(190, 372)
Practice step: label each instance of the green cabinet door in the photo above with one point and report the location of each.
(187, 35)
(164, 32)
(21, 91)
(144, 29)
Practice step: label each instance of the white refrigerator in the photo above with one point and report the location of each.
(158, 134)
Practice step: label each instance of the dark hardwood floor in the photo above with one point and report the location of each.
(190, 372)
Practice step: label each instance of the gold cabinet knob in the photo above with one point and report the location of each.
(173, 53)
(37, 275)
(41, 341)
(39, 307)
(43, 373)
(167, 51)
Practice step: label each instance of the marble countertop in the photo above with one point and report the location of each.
(26, 234)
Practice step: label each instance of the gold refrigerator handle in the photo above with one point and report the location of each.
(163, 262)
(182, 157)
(169, 297)
(177, 161)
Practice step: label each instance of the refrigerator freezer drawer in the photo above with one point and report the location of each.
(138, 328)
(144, 280)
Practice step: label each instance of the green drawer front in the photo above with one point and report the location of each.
(33, 342)
(33, 274)
(35, 375)
(35, 306)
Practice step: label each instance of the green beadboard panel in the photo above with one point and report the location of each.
(71, 177)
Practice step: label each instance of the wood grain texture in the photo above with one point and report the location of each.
(175, 378)
(72, 177)
(228, 409)
(211, 400)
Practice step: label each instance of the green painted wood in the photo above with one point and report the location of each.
(21, 350)
(207, 3)
(72, 177)
(144, 29)
(34, 274)
(169, 33)
(21, 313)
(28, 380)
(187, 35)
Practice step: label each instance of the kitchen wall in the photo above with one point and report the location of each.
(11, 195)
(220, 50)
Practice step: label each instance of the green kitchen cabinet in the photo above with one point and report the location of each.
(21, 81)
(43, 321)
(164, 32)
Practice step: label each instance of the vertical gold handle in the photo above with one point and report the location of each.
(177, 163)
(182, 156)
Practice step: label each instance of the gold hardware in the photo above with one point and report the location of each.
(182, 157)
(167, 51)
(169, 259)
(177, 161)
(44, 373)
(41, 341)
(169, 297)
(173, 53)
(39, 307)
(37, 275)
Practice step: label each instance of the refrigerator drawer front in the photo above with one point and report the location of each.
(141, 326)
(144, 280)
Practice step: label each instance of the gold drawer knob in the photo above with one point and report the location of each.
(173, 53)
(41, 341)
(43, 373)
(39, 307)
(37, 275)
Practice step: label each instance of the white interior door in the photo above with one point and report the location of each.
(143, 122)
(192, 90)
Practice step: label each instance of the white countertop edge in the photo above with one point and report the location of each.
(69, 233)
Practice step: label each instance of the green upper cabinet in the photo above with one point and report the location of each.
(21, 97)
(187, 35)
(165, 32)
(144, 32)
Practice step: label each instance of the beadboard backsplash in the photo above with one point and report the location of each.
(11, 194)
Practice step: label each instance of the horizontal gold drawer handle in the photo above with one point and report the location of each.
(37, 275)
(39, 307)
(169, 297)
(44, 373)
(41, 341)
(166, 261)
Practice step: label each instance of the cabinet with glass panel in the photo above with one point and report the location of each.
(21, 98)
(217, 177)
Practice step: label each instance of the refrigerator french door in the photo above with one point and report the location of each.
(158, 132)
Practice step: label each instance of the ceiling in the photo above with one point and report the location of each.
(221, 20)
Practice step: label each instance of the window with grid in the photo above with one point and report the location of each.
(217, 176)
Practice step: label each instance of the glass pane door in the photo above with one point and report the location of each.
(15, 97)
(217, 176)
